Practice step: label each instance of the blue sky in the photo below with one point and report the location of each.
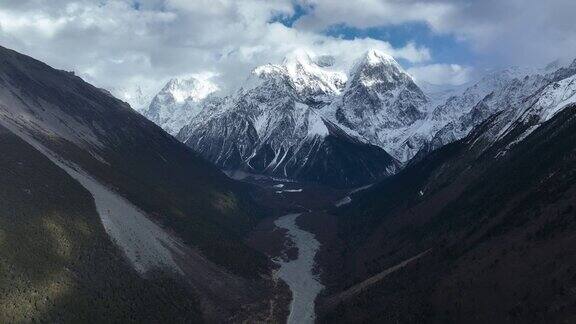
(444, 48)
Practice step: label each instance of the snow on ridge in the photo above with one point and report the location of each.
(377, 102)
(551, 100)
(304, 71)
(555, 97)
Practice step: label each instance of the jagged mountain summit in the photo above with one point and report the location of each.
(526, 104)
(454, 117)
(274, 125)
(178, 102)
(380, 98)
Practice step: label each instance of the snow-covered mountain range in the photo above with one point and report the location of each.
(302, 118)
(275, 124)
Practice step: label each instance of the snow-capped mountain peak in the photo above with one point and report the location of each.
(287, 115)
(178, 102)
(305, 73)
(276, 125)
(189, 89)
(379, 101)
(377, 68)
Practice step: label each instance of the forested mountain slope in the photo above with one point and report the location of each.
(146, 186)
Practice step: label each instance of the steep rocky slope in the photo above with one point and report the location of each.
(179, 102)
(379, 100)
(57, 263)
(145, 185)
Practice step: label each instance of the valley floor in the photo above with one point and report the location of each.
(294, 235)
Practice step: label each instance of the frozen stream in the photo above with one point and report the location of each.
(298, 273)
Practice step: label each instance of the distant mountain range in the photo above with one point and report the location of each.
(470, 216)
(304, 120)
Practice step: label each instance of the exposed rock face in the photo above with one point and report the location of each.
(274, 125)
(379, 97)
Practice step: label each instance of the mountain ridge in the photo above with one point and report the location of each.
(160, 192)
(376, 102)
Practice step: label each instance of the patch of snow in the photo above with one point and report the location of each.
(316, 126)
(555, 97)
(288, 190)
(344, 201)
(361, 188)
(375, 57)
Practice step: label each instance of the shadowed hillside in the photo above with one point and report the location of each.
(57, 262)
(162, 183)
(492, 233)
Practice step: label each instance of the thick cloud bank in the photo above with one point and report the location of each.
(124, 44)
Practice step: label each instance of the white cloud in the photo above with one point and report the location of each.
(373, 13)
(440, 74)
(115, 44)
